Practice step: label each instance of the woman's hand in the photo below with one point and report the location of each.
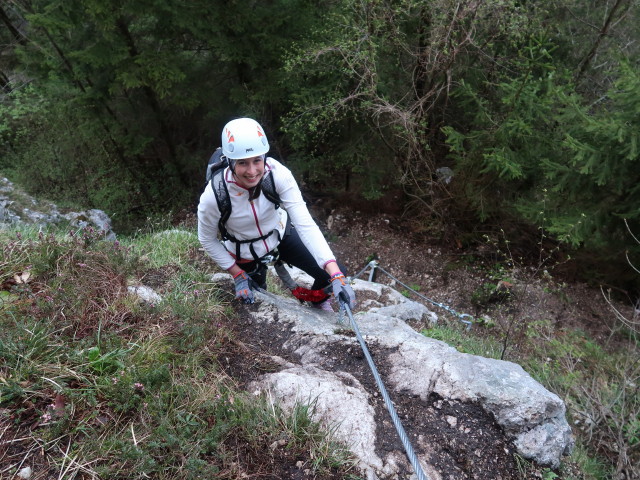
(243, 287)
(342, 290)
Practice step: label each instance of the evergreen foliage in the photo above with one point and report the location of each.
(141, 90)
(377, 85)
(558, 162)
(601, 175)
(533, 106)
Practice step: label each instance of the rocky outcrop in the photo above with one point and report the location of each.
(17, 207)
(415, 367)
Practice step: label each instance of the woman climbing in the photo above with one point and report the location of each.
(256, 206)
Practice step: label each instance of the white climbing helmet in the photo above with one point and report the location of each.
(243, 138)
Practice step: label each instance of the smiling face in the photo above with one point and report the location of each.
(248, 171)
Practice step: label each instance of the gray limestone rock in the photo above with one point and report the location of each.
(145, 294)
(351, 417)
(17, 207)
(530, 415)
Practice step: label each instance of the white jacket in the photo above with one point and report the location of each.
(257, 218)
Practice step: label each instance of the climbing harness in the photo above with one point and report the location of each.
(375, 266)
(387, 400)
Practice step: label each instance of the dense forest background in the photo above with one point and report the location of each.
(469, 116)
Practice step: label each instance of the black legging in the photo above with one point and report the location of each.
(293, 252)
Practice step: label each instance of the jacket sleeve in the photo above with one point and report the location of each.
(208, 218)
(293, 203)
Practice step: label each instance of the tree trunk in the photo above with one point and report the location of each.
(604, 31)
(14, 31)
(421, 70)
(4, 82)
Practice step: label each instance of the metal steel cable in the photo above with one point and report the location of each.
(387, 400)
(464, 317)
(344, 306)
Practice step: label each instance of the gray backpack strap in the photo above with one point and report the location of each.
(269, 189)
(219, 187)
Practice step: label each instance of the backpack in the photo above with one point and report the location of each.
(215, 175)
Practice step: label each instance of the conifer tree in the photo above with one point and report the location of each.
(147, 83)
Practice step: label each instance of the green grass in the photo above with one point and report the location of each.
(459, 337)
(105, 385)
(165, 247)
(591, 467)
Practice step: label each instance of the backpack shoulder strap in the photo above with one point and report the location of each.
(269, 189)
(221, 192)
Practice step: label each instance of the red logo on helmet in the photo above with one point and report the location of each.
(229, 136)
